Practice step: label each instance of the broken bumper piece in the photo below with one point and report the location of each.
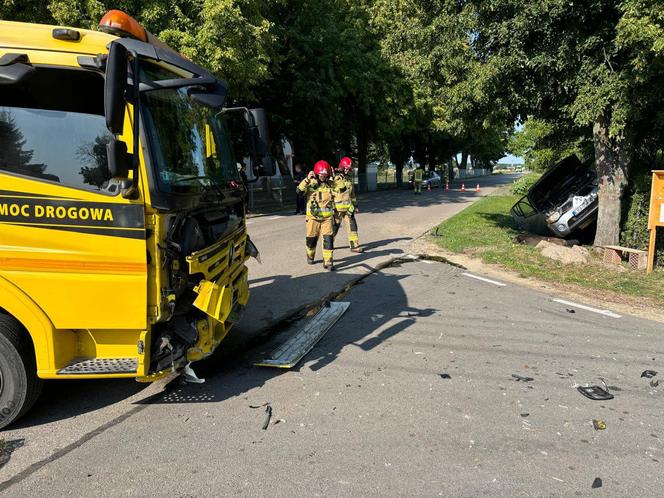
(305, 338)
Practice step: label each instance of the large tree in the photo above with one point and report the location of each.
(580, 63)
(430, 42)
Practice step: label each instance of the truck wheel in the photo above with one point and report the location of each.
(19, 384)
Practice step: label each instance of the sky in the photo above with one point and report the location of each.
(510, 159)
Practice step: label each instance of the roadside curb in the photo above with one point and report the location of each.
(429, 248)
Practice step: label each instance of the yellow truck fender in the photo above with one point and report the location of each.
(16, 303)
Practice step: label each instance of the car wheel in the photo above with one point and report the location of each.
(19, 384)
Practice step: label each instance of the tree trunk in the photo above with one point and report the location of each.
(398, 157)
(431, 160)
(612, 158)
(362, 158)
(464, 160)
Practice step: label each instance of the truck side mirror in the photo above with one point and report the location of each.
(114, 88)
(263, 165)
(119, 160)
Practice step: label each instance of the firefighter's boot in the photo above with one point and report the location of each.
(355, 247)
(328, 250)
(353, 237)
(311, 243)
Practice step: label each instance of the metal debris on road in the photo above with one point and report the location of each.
(259, 406)
(268, 416)
(597, 483)
(595, 393)
(305, 337)
(648, 374)
(654, 383)
(522, 378)
(524, 415)
(445, 376)
(599, 425)
(570, 310)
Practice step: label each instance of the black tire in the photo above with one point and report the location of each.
(19, 384)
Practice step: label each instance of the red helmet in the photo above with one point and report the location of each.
(345, 165)
(322, 168)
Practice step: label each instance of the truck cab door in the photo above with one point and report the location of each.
(71, 244)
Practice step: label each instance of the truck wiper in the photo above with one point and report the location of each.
(215, 185)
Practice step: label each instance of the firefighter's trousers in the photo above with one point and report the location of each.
(418, 187)
(320, 227)
(348, 218)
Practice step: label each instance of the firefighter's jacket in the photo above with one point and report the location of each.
(419, 174)
(320, 198)
(344, 194)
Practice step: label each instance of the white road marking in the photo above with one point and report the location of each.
(588, 308)
(499, 284)
(275, 217)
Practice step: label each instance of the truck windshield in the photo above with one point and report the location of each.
(188, 143)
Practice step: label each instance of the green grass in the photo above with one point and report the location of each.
(486, 229)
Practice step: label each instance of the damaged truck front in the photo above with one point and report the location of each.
(563, 201)
(123, 238)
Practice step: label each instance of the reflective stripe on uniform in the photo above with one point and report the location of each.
(343, 207)
(320, 213)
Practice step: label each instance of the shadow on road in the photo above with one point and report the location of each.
(62, 399)
(230, 374)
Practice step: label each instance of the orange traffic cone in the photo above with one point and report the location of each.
(447, 187)
(429, 187)
(463, 187)
(477, 189)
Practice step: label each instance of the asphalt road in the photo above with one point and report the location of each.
(367, 412)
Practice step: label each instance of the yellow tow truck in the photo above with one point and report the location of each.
(123, 239)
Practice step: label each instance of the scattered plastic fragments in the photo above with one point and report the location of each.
(599, 425)
(654, 383)
(522, 378)
(648, 374)
(570, 310)
(595, 393)
(445, 376)
(524, 415)
(268, 416)
(597, 483)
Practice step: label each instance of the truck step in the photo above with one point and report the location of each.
(101, 366)
(305, 338)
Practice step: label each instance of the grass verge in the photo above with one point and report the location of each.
(486, 230)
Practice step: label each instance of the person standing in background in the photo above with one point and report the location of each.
(298, 176)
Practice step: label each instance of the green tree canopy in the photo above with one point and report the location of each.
(584, 64)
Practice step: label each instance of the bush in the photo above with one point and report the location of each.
(635, 233)
(523, 184)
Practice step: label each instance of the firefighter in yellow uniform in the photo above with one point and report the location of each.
(345, 203)
(318, 188)
(418, 176)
